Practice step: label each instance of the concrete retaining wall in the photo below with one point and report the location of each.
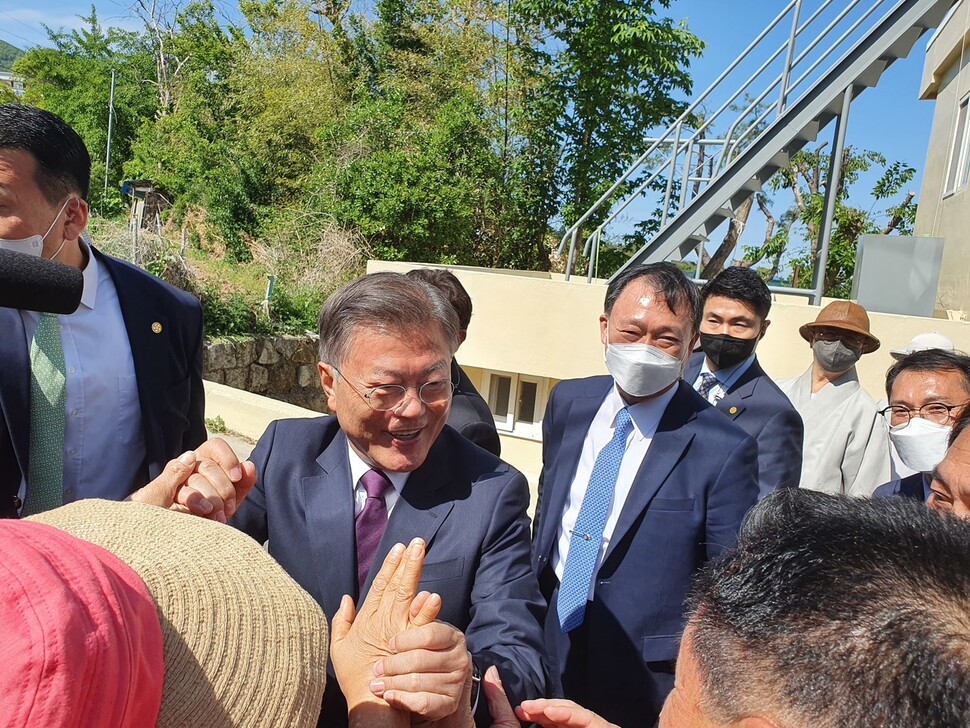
(280, 367)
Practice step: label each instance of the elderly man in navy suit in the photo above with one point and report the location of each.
(927, 392)
(334, 494)
(123, 373)
(727, 374)
(642, 483)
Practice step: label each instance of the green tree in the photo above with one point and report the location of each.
(73, 80)
(806, 178)
(602, 73)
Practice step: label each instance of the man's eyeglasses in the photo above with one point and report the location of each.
(935, 412)
(386, 397)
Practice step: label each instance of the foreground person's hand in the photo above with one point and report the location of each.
(210, 482)
(359, 641)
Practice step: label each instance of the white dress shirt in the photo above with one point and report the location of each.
(726, 377)
(357, 469)
(646, 418)
(104, 444)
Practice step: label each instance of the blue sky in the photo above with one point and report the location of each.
(888, 118)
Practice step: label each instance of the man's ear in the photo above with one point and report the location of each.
(604, 322)
(327, 381)
(764, 328)
(75, 218)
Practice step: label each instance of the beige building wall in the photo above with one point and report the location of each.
(542, 327)
(946, 78)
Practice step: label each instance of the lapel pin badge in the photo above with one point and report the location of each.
(733, 410)
(157, 327)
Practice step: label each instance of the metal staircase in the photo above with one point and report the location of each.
(835, 50)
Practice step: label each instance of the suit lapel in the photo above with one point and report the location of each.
(329, 503)
(422, 507)
(732, 404)
(15, 383)
(578, 416)
(148, 337)
(668, 445)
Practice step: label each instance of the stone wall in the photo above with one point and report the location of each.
(281, 367)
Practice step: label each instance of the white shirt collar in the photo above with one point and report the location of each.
(645, 415)
(726, 376)
(358, 467)
(90, 272)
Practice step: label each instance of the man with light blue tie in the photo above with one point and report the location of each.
(642, 482)
(94, 403)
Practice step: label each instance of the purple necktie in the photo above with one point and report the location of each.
(371, 522)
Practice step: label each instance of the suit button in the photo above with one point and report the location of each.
(16, 502)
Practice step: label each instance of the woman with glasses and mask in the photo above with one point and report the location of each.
(846, 447)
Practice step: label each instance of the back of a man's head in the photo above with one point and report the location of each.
(63, 162)
(449, 285)
(838, 613)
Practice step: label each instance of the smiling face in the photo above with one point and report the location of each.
(397, 440)
(640, 316)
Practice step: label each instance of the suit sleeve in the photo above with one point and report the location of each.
(196, 434)
(547, 438)
(507, 609)
(251, 518)
(780, 453)
(866, 460)
(733, 493)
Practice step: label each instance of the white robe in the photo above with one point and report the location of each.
(846, 445)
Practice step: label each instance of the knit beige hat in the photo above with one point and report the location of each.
(244, 645)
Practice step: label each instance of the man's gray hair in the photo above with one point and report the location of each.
(387, 302)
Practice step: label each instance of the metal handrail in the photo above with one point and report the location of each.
(677, 146)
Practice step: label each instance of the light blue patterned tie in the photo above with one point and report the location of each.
(708, 382)
(587, 535)
(45, 477)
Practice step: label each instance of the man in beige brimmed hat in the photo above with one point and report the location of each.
(846, 448)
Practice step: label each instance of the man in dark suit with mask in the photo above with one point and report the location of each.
(727, 374)
(642, 483)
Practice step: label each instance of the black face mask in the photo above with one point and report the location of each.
(725, 350)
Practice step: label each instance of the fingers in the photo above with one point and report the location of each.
(407, 586)
(162, 490)
(560, 714)
(424, 609)
(218, 451)
(498, 703)
(343, 620)
(428, 674)
(379, 585)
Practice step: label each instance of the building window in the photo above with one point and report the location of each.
(517, 401)
(959, 166)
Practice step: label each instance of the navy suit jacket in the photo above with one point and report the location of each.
(756, 405)
(685, 507)
(470, 414)
(168, 370)
(467, 505)
(909, 487)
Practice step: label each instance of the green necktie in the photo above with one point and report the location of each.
(45, 479)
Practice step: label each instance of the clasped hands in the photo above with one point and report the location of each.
(209, 482)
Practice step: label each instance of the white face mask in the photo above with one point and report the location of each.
(921, 444)
(34, 245)
(641, 370)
